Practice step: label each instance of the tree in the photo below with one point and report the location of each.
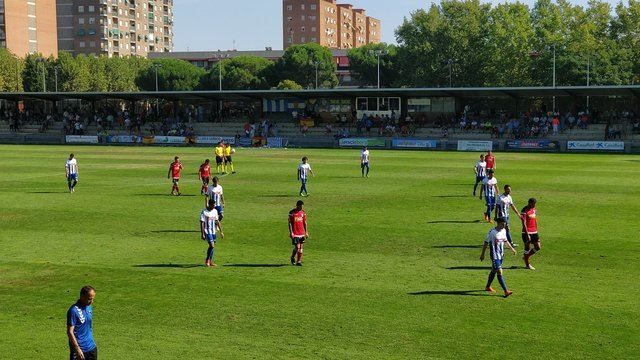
(75, 74)
(240, 73)
(289, 85)
(11, 68)
(364, 63)
(173, 75)
(299, 64)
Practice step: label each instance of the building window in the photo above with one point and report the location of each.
(302, 7)
(92, 44)
(81, 21)
(313, 7)
(289, 7)
(82, 44)
(80, 9)
(302, 17)
(92, 20)
(92, 8)
(313, 29)
(303, 39)
(303, 29)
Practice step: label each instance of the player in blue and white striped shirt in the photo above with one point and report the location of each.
(480, 169)
(490, 190)
(209, 223)
(505, 202)
(495, 242)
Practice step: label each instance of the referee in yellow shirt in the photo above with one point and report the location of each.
(219, 152)
(227, 157)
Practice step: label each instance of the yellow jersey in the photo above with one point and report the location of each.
(219, 151)
(227, 151)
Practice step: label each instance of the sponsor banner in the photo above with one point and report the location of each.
(277, 142)
(360, 142)
(148, 140)
(123, 139)
(160, 140)
(308, 122)
(414, 144)
(215, 139)
(533, 145)
(244, 141)
(475, 145)
(596, 145)
(81, 139)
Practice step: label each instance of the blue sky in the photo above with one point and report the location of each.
(255, 24)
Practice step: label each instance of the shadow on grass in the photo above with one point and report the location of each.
(451, 196)
(256, 265)
(451, 292)
(167, 195)
(48, 192)
(478, 268)
(457, 247)
(175, 231)
(176, 266)
(278, 196)
(454, 222)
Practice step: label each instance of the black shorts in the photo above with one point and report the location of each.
(90, 355)
(228, 159)
(297, 240)
(534, 238)
(175, 181)
(219, 160)
(205, 180)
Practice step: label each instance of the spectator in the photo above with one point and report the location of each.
(636, 127)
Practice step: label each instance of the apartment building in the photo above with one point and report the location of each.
(28, 27)
(325, 22)
(115, 27)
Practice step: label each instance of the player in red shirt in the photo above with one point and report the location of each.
(530, 232)
(174, 174)
(490, 160)
(204, 174)
(298, 232)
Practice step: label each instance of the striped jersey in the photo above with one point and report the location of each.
(304, 169)
(209, 219)
(489, 186)
(481, 169)
(215, 193)
(72, 166)
(495, 240)
(504, 203)
(364, 156)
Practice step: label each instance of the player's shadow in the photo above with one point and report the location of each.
(451, 196)
(256, 265)
(457, 246)
(175, 266)
(175, 231)
(48, 192)
(451, 292)
(278, 196)
(477, 268)
(166, 195)
(454, 222)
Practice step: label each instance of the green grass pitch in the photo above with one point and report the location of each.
(391, 271)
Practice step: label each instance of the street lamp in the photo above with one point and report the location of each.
(155, 68)
(44, 77)
(316, 64)
(55, 69)
(536, 54)
(219, 70)
(378, 53)
(449, 63)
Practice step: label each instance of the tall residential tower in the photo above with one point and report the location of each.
(28, 27)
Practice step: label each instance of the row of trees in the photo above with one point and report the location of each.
(455, 42)
(82, 73)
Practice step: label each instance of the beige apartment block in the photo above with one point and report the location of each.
(29, 27)
(115, 27)
(325, 22)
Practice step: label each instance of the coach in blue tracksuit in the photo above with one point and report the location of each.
(80, 327)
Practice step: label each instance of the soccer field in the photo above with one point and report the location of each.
(391, 269)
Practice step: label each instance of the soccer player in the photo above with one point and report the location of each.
(504, 203)
(304, 169)
(490, 190)
(530, 232)
(216, 195)
(80, 327)
(364, 162)
(209, 223)
(495, 242)
(227, 157)
(491, 160)
(204, 174)
(219, 151)
(298, 232)
(481, 171)
(174, 173)
(71, 172)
